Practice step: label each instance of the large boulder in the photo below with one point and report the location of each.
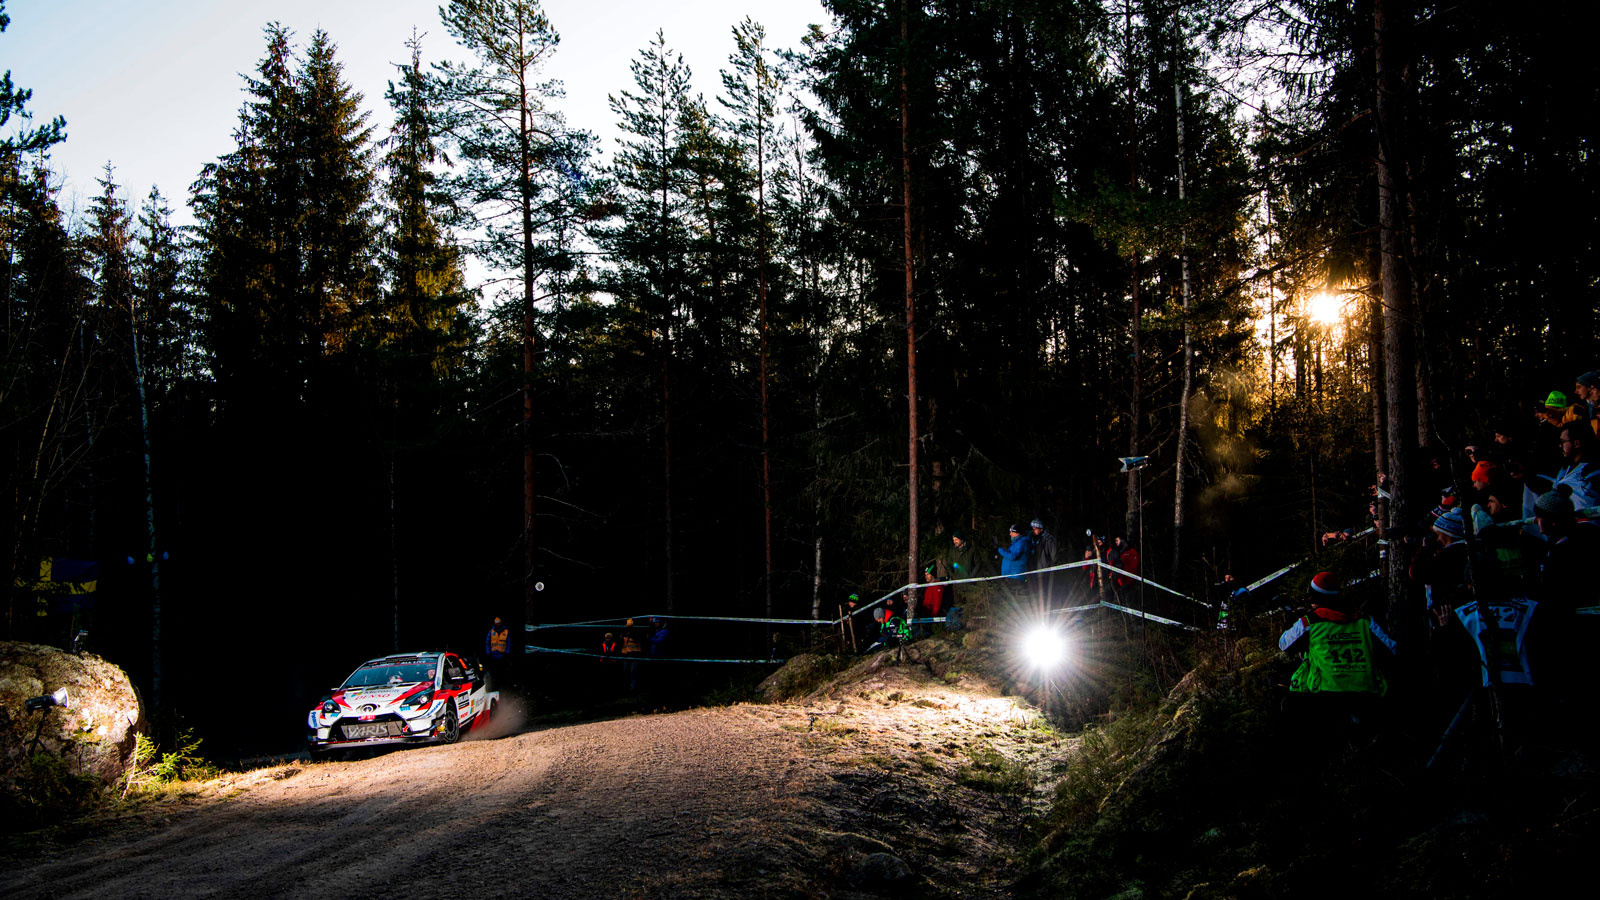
(93, 737)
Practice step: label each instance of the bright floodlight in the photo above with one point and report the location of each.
(1044, 647)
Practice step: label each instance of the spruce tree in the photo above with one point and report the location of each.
(651, 274)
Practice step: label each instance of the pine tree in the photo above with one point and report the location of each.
(521, 169)
(14, 102)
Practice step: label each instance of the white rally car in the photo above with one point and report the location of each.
(407, 698)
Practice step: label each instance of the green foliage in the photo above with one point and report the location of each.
(14, 102)
(154, 769)
(50, 792)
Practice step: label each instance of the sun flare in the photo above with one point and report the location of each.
(1325, 308)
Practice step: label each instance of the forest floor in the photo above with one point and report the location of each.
(889, 779)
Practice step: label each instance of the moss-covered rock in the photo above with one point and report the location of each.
(51, 759)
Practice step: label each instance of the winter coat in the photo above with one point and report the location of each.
(1046, 551)
(1014, 558)
(963, 562)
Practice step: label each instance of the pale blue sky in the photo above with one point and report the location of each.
(154, 86)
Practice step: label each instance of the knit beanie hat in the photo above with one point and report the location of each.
(1589, 379)
(1325, 584)
(1554, 504)
(1556, 400)
(1451, 524)
(1484, 471)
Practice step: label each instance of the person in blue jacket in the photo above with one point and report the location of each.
(1014, 557)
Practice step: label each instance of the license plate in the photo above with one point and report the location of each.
(355, 732)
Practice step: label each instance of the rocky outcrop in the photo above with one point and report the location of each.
(93, 737)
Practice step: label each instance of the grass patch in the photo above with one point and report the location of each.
(991, 771)
(1103, 758)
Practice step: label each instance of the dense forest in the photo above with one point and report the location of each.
(933, 266)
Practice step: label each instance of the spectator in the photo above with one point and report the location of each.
(962, 561)
(658, 637)
(893, 633)
(1511, 552)
(1339, 680)
(632, 649)
(1129, 562)
(1441, 567)
(1568, 571)
(1046, 553)
(497, 647)
(1580, 470)
(1587, 390)
(933, 595)
(1566, 580)
(1014, 555)
(608, 645)
(1558, 411)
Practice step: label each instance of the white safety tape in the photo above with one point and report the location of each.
(1273, 577)
(1145, 615)
(1153, 584)
(634, 657)
(621, 621)
(1057, 612)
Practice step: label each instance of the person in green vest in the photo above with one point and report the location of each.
(1339, 680)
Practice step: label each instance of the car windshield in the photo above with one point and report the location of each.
(377, 674)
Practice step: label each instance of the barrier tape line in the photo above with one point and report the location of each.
(1150, 616)
(634, 657)
(620, 621)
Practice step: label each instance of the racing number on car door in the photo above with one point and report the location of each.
(455, 673)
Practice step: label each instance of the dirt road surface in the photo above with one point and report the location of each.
(824, 797)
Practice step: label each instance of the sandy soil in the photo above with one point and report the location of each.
(776, 800)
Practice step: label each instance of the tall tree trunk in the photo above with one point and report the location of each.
(149, 519)
(1380, 427)
(1272, 316)
(1188, 347)
(529, 337)
(1132, 517)
(766, 408)
(914, 565)
(667, 322)
(1399, 365)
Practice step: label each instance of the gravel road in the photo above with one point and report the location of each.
(750, 800)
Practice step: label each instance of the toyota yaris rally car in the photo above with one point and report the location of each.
(408, 698)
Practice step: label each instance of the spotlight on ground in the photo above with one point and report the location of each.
(1044, 647)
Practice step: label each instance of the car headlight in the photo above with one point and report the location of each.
(421, 700)
(329, 708)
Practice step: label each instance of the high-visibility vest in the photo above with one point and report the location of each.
(608, 648)
(1340, 659)
(499, 640)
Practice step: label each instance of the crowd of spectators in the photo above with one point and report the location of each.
(1498, 572)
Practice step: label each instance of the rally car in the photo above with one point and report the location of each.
(407, 698)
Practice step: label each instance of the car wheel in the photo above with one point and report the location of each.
(452, 727)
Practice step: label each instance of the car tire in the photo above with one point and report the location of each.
(452, 726)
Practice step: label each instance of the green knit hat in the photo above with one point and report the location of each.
(1556, 400)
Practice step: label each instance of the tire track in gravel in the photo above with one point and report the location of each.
(606, 809)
